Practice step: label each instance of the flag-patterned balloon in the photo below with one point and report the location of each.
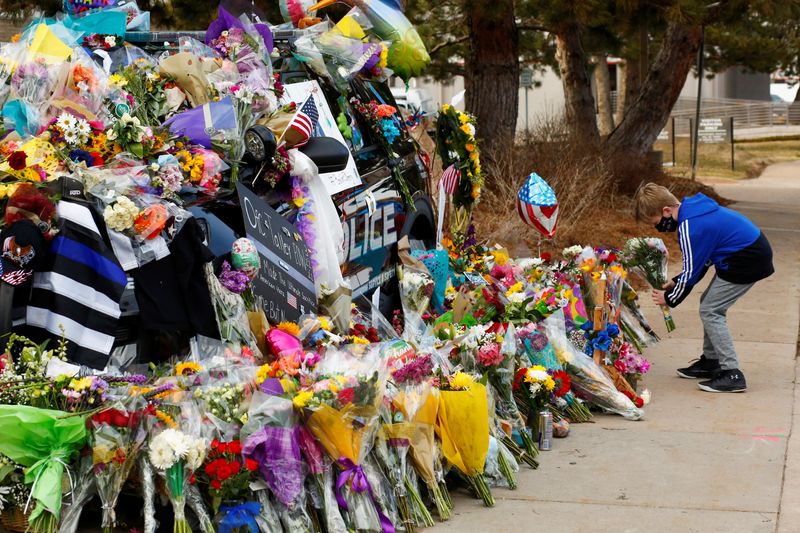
(537, 205)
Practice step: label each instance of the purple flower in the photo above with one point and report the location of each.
(416, 371)
(133, 379)
(98, 383)
(235, 281)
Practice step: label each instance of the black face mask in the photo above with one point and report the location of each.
(667, 224)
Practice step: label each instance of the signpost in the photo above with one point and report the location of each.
(285, 280)
(713, 131)
(526, 81)
(717, 130)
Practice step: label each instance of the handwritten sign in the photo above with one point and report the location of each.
(298, 93)
(285, 280)
(713, 131)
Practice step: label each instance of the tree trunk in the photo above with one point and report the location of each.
(646, 116)
(492, 72)
(578, 99)
(602, 82)
(629, 89)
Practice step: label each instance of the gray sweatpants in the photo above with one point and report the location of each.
(714, 304)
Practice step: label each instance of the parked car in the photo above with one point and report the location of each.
(374, 215)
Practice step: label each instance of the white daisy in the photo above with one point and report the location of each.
(66, 121)
(82, 127)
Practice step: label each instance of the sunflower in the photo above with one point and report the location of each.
(188, 367)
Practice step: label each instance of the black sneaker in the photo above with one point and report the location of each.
(725, 381)
(702, 368)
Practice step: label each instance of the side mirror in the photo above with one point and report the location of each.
(327, 153)
(259, 143)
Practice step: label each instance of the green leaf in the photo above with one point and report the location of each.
(136, 149)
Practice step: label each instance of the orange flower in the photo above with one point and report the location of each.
(166, 419)
(81, 74)
(289, 327)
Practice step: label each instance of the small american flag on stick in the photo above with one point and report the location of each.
(291, 299)
(449, 179)
(302, 126)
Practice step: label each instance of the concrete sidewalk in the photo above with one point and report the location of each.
(699, 461)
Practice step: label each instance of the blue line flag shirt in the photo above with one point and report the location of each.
(709, 234)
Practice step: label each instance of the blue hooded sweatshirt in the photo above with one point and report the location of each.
(709, 234)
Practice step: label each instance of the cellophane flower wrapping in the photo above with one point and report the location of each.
(463, 426)
(175, 453)
(500, 467)
(117, 438)
(320, 467)
(84, 490)
(45, 441)
(341, 410)
(416, 289)
(649, 258)
(275, 445)
(589, 380)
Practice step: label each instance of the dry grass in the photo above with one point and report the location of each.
(594, 194)
(751, 157)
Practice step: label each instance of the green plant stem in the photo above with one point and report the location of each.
(442, 507)
(421, 512)
(482, 489)
(520, 454)
(505, 469)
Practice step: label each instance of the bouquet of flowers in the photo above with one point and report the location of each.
(176, 454)
(399, 431)
(648, 257)
(45, 441)
(589, 381)
(501, 377)
(416, 402)
(457, 145)
(275, 449)
(227, 477)
(117, 438)
(341, 410)
(463, 428)
(416, 289)
(320, 468)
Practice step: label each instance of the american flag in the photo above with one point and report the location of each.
(17, 277)
(449, 179)
(291, 299)
(302, 126)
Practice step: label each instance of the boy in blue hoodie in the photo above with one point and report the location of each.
(709, 234)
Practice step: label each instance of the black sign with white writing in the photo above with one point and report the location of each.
(285, 280)
(713, 131)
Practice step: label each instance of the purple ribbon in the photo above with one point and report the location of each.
(359, 483)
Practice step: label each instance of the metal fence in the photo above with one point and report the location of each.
(746, 113)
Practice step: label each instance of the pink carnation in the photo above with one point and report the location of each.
(489, 354)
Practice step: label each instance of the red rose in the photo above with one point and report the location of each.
(216, 484)
(235, 447)
(250, 465)
(234, 467)
(18, 160)
(546, 256)
(518, 378)
(638, 402)
(347, 395)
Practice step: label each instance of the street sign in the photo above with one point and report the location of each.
(526, 78)
(285, 280)
(713, 131)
